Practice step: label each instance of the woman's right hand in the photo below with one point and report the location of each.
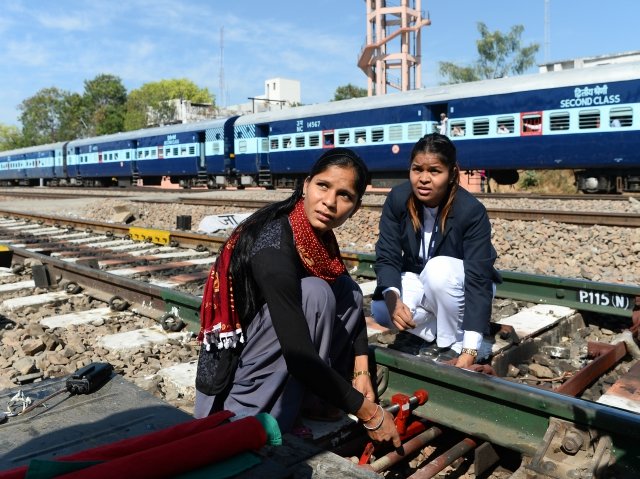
(378, 423)
(400, 314)
(387, 430)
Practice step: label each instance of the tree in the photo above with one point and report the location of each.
(348, 91)
(50, 116)
(499, 56)
(150, 104)
(10, 137)
(104, 103)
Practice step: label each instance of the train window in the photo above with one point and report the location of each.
(300, 141)
(175, 151)
(242, 146)
(559, 121)
(589, 119)
(344, 137)
(458, 128)
(127, 156)
(505, 125)
(314, 140)
(146, 153)
(216, 148)
(361, 136)
(286, 142)
(532, 124)
(274, 143)
(110, 156)
(183, 150)
(328, 138)
(481, 126)
(377, 134)
(620, 117)
(414, 131)
(192, 150)
(115, 157)
(264, 144)
(395, 133)
(139, 153)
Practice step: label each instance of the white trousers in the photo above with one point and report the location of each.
(436, 298)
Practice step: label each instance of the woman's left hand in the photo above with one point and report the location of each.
(464, 360)
(364, 385)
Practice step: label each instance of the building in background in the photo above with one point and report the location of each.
(279, 93)
(586, 62)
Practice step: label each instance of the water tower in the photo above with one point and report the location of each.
(391, 56)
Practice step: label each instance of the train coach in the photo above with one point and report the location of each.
(31, 166)
(586, 120)
(190, 154)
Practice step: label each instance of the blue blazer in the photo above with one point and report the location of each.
(467, 236)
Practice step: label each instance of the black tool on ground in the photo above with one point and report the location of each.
(84, 381)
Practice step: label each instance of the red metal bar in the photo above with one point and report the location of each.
(606, 356)
(442, 461)
(409, 447)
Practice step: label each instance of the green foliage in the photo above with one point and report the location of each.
(50, 116)
(500, 55)
(348, 91)
(149, 104)
(529, 180)
(10, 137)
(104, 103)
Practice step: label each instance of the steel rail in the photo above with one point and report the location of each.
(152, 301)
(624, 220)
(503, 412)
(589, 218)
(178, 237)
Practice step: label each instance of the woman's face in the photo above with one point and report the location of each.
(330, 198)
(429, 178)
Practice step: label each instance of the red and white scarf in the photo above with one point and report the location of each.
(219, 320)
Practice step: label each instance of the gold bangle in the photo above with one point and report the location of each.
(470, 352)
(361, 373)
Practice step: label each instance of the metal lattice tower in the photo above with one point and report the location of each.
(393, 43)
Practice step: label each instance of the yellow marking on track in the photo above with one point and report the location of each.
(160, 237)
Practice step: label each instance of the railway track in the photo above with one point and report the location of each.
(553, 430)
(584, 217)
(628, 220)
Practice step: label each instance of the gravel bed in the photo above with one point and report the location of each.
(32, 352)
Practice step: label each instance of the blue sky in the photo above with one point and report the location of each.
(62, 43)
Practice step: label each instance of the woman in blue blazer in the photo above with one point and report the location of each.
(434, 257)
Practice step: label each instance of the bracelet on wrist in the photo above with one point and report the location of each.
(377, 426)
(375, 411)
(360, 373)
(470, 352)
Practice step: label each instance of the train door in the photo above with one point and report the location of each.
(134, 161)
(229, 151)
(202, 164)
(262, 146)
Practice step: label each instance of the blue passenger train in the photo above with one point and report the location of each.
(586, 120)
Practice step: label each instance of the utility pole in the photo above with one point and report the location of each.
(547, 30)
(221, 101)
